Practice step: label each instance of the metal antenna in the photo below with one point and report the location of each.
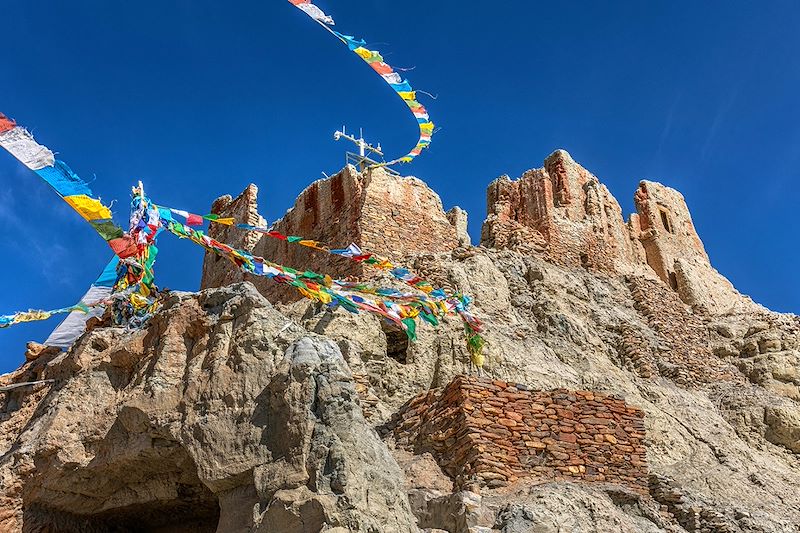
(360, 159)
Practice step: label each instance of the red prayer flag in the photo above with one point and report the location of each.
(277, 235)
(124, 247)
(194, 220)
(6, 124)
(381, 68)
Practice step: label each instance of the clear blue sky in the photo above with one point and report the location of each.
(200, 98)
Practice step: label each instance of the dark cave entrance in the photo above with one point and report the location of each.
(195, 510)
(137, 483)
(396, 342)
(673, 281)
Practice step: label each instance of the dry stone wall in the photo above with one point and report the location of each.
(684, 353)
(495, 433)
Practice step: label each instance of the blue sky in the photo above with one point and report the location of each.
(200, 98)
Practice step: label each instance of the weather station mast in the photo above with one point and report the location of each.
(360, 160)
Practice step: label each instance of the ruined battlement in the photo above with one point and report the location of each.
(561, 211)
(564, 211)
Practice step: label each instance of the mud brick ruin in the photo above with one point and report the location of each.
(379, 211)
(495, 433)
(560, 210)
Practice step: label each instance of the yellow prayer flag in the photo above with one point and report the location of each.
(363, 52)
(88, 208)
(31, 316)
(426, 127)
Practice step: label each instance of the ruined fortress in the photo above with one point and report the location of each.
(561, 211)
(628, 387)
(489, 431)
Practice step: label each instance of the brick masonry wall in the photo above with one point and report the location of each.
(496, 433)
(385, 214)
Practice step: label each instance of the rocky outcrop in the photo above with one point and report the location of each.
(222, 415)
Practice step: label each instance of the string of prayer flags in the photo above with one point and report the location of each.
(375, 60)
(313, 11)
(388, 303)
(198, 220)
(458, 303)
(33, 315)
(352, 252)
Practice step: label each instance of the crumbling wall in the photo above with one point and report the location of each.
(217, 272)
(683, 353)
(561, 209)
(383, 213)
(675, 252)
(495, 433)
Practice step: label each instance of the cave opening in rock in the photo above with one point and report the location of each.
(396, 342)
(177, 516)
(137, 482)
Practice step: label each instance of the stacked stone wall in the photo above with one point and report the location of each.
(684, 354)
(496, 433)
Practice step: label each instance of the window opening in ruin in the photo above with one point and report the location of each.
(673, 281)
(665, 220)
(396, 342)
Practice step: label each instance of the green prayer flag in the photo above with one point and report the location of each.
(411, 330)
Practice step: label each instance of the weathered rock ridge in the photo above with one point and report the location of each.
(628, 387)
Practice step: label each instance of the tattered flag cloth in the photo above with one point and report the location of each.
(375, 60)
(74, 324)
(21, 144)
(35, 315)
